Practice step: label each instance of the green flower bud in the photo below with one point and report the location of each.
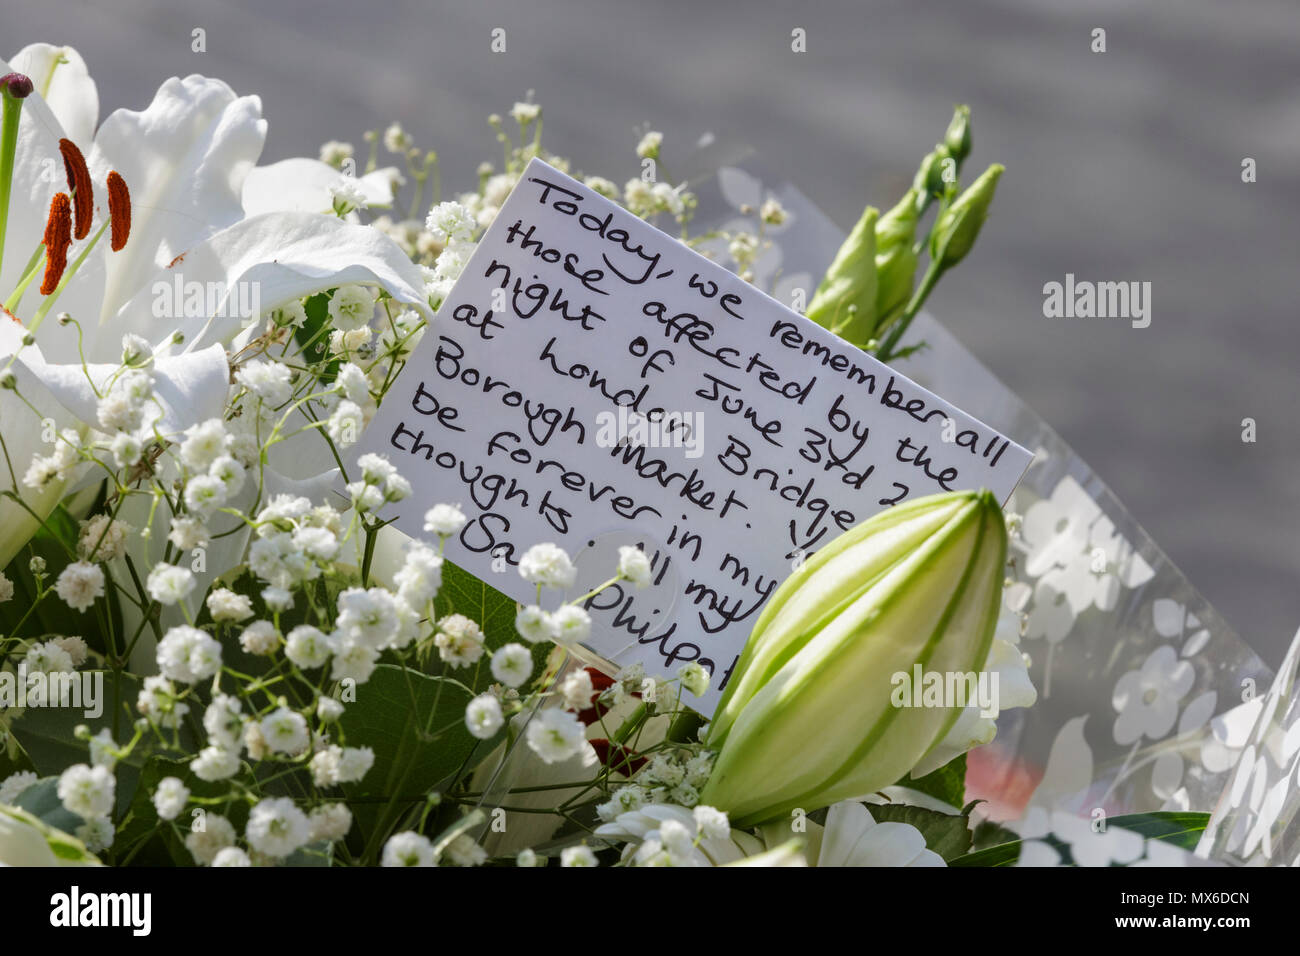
(845, 301)
(957, 139)
(959, 224)
(895, 260)
(808, 716)
(929, 179)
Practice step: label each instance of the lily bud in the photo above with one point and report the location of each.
(808, 716)
(928, 181)
(895, 260)
(845, 301)
(959, 224)
(957, 139)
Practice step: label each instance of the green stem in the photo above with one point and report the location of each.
(13, 109)
(887, 349)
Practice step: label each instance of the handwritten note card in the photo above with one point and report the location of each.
(594, 382)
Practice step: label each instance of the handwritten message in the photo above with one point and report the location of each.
(594, 382)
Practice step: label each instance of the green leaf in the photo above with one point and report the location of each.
(463, 593)
(945, 833)
(948, 783)
(48, 743)
(1181, 829)
(161, 844)
(42, 801)
(55, 541)
(415, 725)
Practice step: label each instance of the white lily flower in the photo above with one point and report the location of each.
(185, 160)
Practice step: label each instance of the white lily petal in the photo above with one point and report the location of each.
(303, 185)
(184, 159)
(191, 387)
(60, 77)
(286, 256)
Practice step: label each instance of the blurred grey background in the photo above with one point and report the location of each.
(1123, 165)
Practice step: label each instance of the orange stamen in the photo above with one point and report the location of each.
(119, 210)
(58, 237)
(83, 194)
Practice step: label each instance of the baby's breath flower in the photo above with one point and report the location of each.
(276, 827)
(269, 381)
(408, 849)
(633, 565)
(555, 735)
(231, 856)
(169, 584)
(577, 690)
(534, 624)
(578, 856)
(217, 834)
(650, 145)
(187, 654)
(225, 605)
(335, 152)
(512, 664)
(571, 624)
(87, 791)
(459, 640)
(259, 638)
(694, 677)
(285, 731)
(79, 584)
(548, 565)
(170, 797)
(483, 716)
(102, 538)
(351, 307)
(444, 520)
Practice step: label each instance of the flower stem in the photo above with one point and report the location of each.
(13, 109)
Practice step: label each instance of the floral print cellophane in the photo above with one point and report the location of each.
(1147, 699)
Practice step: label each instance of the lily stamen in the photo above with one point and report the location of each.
(119, 210)
(79, 184)
(58, 237)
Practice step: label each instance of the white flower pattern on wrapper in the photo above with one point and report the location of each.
(1147, 699)
(1079, 558)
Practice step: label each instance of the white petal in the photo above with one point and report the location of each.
(184, 160)
(62, 80)
(303, 185)
(286, 256)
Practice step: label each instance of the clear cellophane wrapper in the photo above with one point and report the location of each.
(1147, 699)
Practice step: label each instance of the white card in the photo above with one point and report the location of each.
(749, 435)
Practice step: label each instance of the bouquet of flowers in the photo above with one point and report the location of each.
(216, 650)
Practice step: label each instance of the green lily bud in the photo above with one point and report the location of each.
(895, 260)
(808, 716)
(929, 179)
(957, 139)
(959, 224)
(845, 301)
